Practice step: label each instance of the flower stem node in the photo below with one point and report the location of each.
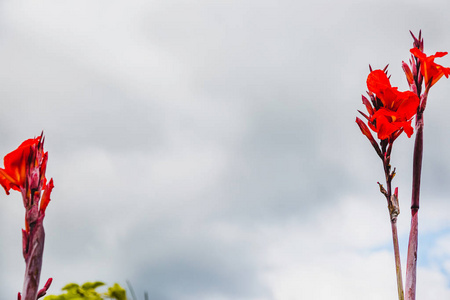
(393, 205)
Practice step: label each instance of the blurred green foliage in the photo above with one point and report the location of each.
(88, 292)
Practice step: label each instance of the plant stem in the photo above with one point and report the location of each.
(398, 266)
(394, 211)
(411, 265)
(33, 250)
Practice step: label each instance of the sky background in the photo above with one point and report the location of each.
(208, 149)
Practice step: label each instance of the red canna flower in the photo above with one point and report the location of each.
(15, 172)
(392, 110)
(431, 71)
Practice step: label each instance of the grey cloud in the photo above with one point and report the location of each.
(164, 120)
(196, 263)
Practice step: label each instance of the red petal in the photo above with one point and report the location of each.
(408, 128)
(377, 81)
(408, 103)
(46, 196)
(16, 162)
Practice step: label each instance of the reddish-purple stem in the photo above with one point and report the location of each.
(411, 264)
(33, 261)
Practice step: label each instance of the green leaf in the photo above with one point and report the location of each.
(117, 292)
(87, 292)
(92, 285)
(70, 286)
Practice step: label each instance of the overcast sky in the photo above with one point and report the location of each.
(208, 150)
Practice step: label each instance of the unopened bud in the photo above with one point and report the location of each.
(408, 73)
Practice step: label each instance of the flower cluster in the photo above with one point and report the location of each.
(390, 111)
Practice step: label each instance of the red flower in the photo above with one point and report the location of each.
(16, 163)
(392, 110)
(25, 172)
(431, 71)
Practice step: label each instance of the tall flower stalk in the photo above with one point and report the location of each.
(25, 172)
(422, 71)
(390, 114)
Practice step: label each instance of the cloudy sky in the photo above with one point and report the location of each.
(208, 150)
